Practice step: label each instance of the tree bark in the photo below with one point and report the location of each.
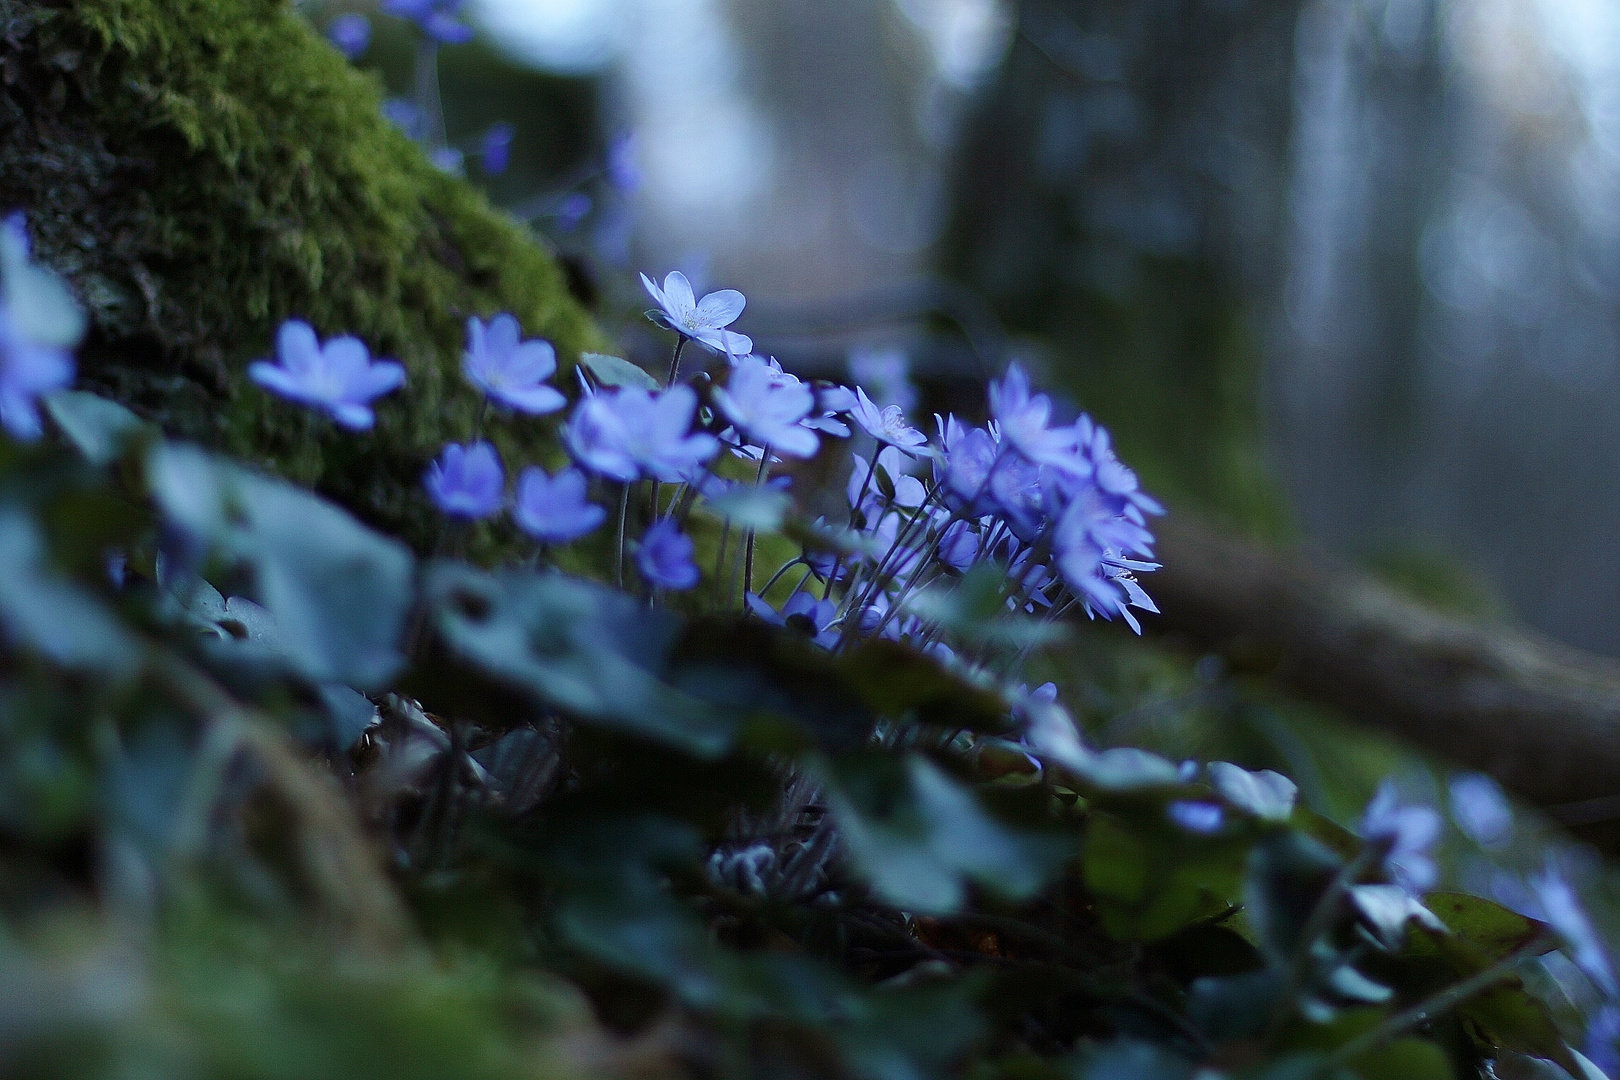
(1541, 717)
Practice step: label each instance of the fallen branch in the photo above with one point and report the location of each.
(1541, 717)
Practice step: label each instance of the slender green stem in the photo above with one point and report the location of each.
(624, 512)
(854, 508)
(748, 553)
(675, 361)
(790, 564)
(428, 101)
(720, 566)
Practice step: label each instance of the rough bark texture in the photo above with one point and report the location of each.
(202, 170)
(1541, 717)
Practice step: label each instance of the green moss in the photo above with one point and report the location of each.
(202, 170)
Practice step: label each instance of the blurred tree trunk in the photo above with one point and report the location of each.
(1119, 198)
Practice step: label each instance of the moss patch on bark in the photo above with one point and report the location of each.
(201, 170)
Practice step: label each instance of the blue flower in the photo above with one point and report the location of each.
(338, 377)
(403, 114)
(704, 321)
(664, 557)
(449, 159)
(909, 492)
(767, 404)
(554, 509)
(628, 431)
(509, 370)
(1023, 419)
(969, 456)
(496, 148)
(1602, 1042)
(887, 425)
(1198, 817)
(39, 323)
(802, 612)
(1480, 809)
(436, 18)
(466, 481)
(1410, 831)
(1561, 908)
(351, 33)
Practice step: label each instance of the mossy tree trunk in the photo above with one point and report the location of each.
(203, 169)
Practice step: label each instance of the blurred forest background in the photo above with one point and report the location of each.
(1339, 270)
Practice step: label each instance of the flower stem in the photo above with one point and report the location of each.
(675, 361)
(748, 553)
(428, 102)
(624, 512)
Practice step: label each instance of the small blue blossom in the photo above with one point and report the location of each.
(508, 369)
(704, 321)
(1195, 816)
(1480, 809)
(338, 377)
(403, 114)
(554, 509)
(467, 481)
(1602, 1042)
(767, 404)
(351, 33)
(628, 431)
(887, 425)
(1410, 832)
(802, 612)
(39, 323)
(27, 371)
(664, 557)
(573, 209)
(1023, 419)
(435, 18)
(495, 149)
(1562, 909)
(449, 159)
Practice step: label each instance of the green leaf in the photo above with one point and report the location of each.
(1131, 1060)
(913, 1033)
(613, 371)
(761, 673)
(1228, 1007)
(1485, 931)
(1151, 879)
(918, 836)
(574, 646)
(1508, 1017)
(1409, 1058)
(98, 428)
(50, 615)
(899, 682)
(1287, 874)
(337, 592)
